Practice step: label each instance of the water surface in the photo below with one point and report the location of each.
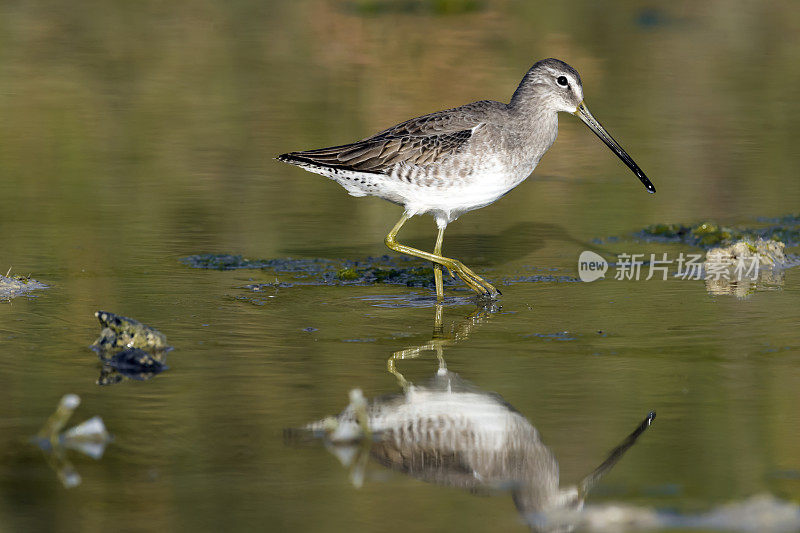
(134, 135)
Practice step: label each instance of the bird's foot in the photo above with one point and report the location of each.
(473, 281)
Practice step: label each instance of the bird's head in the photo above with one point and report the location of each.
(554, 86)
(557, 85)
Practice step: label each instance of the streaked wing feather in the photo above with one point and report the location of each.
(419, 141)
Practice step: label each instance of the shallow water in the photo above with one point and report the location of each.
(136, 135)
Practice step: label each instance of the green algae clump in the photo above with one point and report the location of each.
(703, 234)
(710, 235)
(348, 274)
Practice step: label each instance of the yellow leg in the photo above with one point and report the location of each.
(437, 268)
(456, 267)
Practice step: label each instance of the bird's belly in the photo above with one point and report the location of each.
(455, 193)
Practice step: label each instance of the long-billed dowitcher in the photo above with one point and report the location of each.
(460, 159)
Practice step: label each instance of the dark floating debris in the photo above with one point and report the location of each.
(89, 438)
(128, 349)
(13, 286)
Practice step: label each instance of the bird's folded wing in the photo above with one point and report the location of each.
(419, 141)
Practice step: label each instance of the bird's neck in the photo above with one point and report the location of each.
(530, 100)
(535, 122)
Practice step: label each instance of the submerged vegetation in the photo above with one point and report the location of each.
(367, 271)
(385, 269)
(708, 234)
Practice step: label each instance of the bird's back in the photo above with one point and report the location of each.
(423, 140)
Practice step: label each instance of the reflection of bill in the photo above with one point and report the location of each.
(591, 266)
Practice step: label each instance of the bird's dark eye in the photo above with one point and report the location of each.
(562, 80)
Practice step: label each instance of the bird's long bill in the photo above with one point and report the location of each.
(583, 113)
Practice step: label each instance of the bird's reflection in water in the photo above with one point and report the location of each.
(459, 331)
(449, 432)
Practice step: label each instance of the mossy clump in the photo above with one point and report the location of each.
(709, 235)
(128, 349)
(121, 332)
(421, 276)
(412, 277)
(348, 274)
(384, 275)
(703, 234)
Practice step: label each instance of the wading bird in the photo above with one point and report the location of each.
(460, 159)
